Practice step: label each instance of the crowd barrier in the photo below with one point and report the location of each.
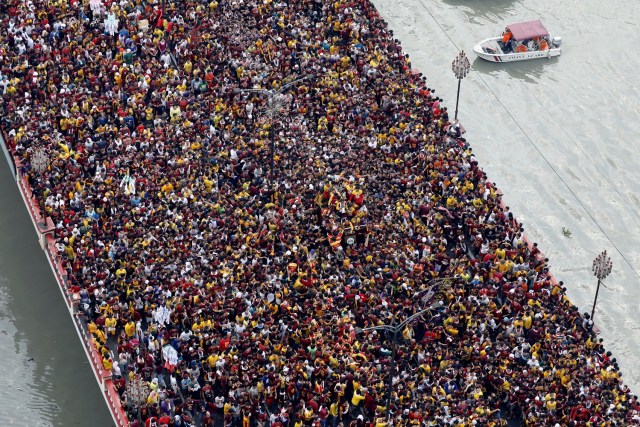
(44, 228)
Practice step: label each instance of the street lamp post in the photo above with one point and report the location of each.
(395, 329)
(274, 104)
(39, 160)
(137, 392)
(601, 268)
(460, 67)
(39, 164)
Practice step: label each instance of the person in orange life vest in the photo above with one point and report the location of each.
(506, 35)
(543, 45)
(507, 39)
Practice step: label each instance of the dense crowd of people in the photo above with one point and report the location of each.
(233, 246)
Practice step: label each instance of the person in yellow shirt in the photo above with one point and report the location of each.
(551, 405)
(107, 363)
(110, 323)
(307, 414)
(11, 89)
(153, 397)
(92, 327)
(212, 359)
(357, 398)
(175, 112)
(503, 266)
(167, 188)
(527, 321)
(100, 336)
(130, 329)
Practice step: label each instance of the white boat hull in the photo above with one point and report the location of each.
(489, 50)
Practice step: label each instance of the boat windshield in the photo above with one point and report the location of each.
(527, 30)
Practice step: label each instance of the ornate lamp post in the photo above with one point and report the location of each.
(601, 268)
(137, 392)
(275, 104)
(39, 160)
(39, 164)
(460, 67)
(396, 328)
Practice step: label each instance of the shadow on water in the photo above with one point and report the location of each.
(530, 71)
(476, 10)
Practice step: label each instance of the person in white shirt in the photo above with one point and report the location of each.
(4, 82)
(165, 58)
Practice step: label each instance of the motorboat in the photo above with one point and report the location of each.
(520, 42)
